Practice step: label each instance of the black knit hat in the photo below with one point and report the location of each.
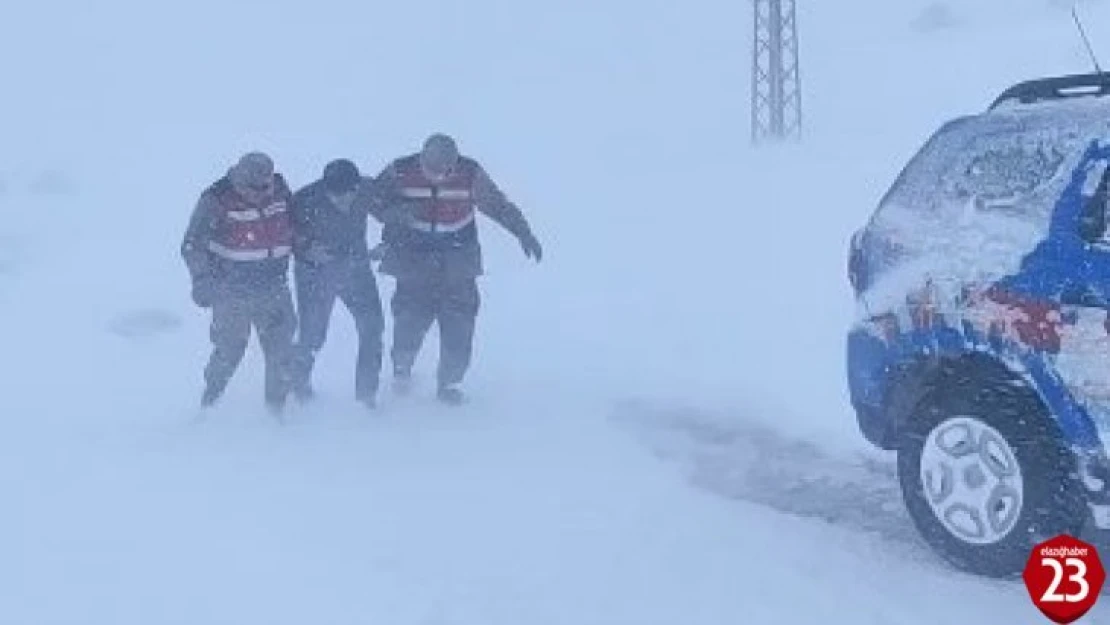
(341, 175)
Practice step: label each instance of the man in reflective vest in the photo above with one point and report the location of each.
(237, 248)
(332, 261)
(430, 202)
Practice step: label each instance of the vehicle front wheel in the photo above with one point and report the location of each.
(985, 477)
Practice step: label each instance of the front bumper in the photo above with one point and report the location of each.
(868, 373)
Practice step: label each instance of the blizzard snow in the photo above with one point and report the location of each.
(642, 399)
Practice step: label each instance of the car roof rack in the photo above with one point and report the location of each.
(1055, 88)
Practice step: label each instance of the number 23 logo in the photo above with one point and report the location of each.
(1052, 594)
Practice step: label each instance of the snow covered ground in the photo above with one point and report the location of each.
(644, 400)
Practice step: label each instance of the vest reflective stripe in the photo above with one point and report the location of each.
(425, 193)
(246, 215)
(280, 251)
(254, 214)
(426, 226)
(455, 194)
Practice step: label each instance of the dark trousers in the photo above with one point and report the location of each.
(269, 310)
(353, 283)
(453, 303)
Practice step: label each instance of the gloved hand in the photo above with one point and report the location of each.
(203, 292)
(531, 246)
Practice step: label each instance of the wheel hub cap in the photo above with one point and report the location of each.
(972, 480)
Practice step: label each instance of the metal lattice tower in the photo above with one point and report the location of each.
(776, 86)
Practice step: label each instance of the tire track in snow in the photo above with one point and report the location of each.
(746, 460)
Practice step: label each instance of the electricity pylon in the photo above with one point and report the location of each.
(776, 85)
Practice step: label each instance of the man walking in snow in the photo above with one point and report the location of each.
(332, 261)
(430, 200)
(237, 248)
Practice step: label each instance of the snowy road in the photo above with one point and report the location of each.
(581, 508)
(505, 512)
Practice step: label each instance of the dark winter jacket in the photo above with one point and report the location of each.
(207, 224)
(419, 254)
(319, 222)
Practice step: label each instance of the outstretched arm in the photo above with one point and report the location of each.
(493, 203)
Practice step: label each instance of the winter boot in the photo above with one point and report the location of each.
(276, 408)
(451, 395)
(210, 396)
(304, 393)
(402, 381)
(367, 397)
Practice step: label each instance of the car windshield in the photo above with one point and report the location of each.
(978, 197)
